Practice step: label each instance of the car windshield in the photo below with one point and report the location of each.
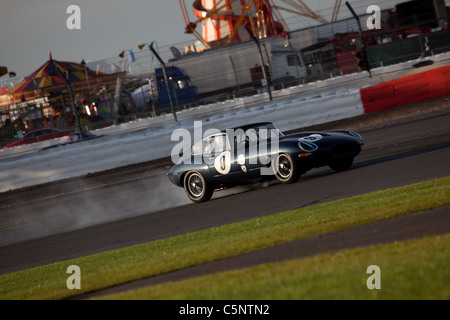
(213, 144)
(255, 133)
(268, 127)
(218, 143)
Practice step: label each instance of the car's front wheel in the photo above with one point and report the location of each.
(196, 187)
(287, 170)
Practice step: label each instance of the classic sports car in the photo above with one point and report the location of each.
(259, 151)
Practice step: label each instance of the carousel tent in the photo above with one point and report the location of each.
(47, 92)
(49, 77)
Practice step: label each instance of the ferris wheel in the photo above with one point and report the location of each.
(224, 21)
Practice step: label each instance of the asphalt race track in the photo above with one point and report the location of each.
(126, 206)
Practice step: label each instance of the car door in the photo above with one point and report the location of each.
(217, 153)
(253, 149)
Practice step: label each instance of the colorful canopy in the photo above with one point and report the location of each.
(48, 76)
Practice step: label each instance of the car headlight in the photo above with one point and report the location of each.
(307, 146)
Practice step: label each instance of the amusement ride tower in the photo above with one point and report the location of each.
(225, 21)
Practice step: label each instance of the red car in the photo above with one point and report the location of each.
(38, 135)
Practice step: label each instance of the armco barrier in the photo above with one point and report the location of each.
(418, 87)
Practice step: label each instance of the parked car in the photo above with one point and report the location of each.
(38, 136)
(260, 151)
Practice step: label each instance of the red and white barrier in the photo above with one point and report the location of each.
(399, 92)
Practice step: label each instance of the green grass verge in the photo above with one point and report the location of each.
(119, 266)
(416, 269)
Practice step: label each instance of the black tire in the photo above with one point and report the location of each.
(287, 170)
(340, 164)
(196, 187)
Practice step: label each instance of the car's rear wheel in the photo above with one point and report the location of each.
(196, 187)
(340, 164)
(287, 170)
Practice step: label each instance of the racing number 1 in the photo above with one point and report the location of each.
(222, 163)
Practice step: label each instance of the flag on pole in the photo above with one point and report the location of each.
(131, 54)
(141, 46)
(122, 54)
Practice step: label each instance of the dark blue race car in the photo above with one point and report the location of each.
(256, 151)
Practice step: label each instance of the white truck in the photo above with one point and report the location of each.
(236, 69)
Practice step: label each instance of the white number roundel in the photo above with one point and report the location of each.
(311, 138)
(241, 159)
(222, 163)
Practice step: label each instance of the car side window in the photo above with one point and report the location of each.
(218, 144)
(44, 132)
(206, 146)
(30, 136)
(239, 141)
(198, 147)
(251, 135)
(201, 146)
(213, 145)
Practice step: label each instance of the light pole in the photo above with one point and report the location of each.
(74, 108)
(362, 49)
(165, 79)
(261, 59)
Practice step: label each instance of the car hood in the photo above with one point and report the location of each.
(326, 136)
(296, 136)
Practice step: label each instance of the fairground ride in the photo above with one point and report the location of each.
(223, 21)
